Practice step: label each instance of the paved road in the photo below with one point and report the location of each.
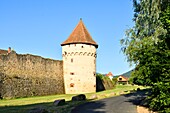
(120, 104)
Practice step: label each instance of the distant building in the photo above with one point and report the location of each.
(4, 52)
(122, 79)
(110, 75)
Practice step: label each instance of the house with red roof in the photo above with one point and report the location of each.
(110, 75)
(122, 79)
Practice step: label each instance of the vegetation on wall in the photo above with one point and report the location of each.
(147, 44)
(103, 82)
(114, 80)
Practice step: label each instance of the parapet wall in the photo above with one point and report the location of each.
(29, 75)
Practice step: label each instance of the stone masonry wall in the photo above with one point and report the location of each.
(29, 75)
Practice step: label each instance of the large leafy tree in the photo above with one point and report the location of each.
(147, 46)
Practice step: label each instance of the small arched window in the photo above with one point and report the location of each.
(72, 85)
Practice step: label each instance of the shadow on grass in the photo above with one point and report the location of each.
(66, 108)
(26, 108)
(23, 108)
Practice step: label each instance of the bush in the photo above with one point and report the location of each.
(160, 97)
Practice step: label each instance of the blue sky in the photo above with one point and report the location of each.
(39, 27)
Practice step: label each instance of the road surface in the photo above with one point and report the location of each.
(119, 104)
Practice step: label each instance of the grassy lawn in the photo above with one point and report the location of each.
(23, 105)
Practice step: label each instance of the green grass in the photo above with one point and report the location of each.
(23, 105)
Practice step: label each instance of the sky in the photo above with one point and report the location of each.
(38, 27)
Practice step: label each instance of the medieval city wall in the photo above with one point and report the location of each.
(29, 75)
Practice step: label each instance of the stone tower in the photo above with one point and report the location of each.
(79, 61)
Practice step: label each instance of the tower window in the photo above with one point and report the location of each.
(71, 73)
(72, 85)
(82, 46)
(72, 60)
(94, 73)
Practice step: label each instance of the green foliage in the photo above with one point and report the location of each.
(160, 99)
(103, 82)
(114, 80)
(147, 46)
(101, 76)
(165, 19)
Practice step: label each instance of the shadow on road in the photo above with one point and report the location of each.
(138, 97)
(92, 109)
(118, 104)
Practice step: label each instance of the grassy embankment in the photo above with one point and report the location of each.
(23, 105)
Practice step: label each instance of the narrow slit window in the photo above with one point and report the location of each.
(72, 60)
(71, 73)
(94, 73)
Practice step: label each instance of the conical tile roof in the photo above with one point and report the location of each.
(80, 35)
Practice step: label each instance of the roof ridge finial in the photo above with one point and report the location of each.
(80, 18)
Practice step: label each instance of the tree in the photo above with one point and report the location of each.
(147, 46)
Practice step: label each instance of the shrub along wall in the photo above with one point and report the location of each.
(29, 75)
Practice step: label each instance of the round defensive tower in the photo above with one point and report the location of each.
(79, 61)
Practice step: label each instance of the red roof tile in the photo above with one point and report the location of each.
(109, 74)
(80, 35)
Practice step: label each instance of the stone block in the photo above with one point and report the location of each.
(113, 93)
(59, 102)
(121, 93)
(94, 96)
(138, 89)
(79, 97)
